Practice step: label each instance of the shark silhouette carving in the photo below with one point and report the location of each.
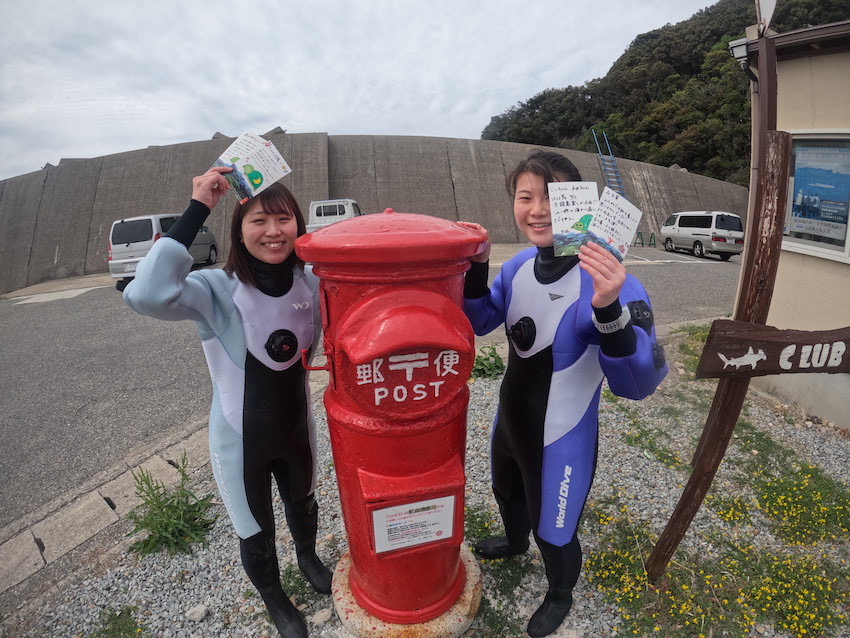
(749, 359)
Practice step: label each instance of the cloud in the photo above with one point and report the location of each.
(87, 78)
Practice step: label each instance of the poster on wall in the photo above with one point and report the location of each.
(821, 192)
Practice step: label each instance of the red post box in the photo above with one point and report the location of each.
(400, 351)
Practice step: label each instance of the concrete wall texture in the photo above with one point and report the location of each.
(54, 223)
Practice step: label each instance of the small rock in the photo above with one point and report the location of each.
(321, 617)
(329, 538)
(808, 424)
(755, 452)
(249, 609)
(197, 613)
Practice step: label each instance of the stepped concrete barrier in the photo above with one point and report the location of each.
(55, 222)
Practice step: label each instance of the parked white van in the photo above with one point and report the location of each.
(130, 240)
(328, 211)
(704, 231)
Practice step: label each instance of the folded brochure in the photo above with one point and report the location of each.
(579, 217)
(256, 165)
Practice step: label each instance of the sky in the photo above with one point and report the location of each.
(90, 78)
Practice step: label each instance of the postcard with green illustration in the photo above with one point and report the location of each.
(256, 165)
(572, 205)
(579, 217)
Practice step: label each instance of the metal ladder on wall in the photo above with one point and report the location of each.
(609, 166)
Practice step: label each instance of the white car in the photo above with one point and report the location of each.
(130, 240)
(704, 231)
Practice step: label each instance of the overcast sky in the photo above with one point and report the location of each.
(89, 78)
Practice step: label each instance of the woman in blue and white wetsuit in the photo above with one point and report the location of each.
(253, 318)
(571, 321)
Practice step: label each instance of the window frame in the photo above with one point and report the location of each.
(805, 246)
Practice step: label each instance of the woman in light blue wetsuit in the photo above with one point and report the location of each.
(571, 322)
(253, 317)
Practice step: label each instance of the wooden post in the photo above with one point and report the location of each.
(754, 294)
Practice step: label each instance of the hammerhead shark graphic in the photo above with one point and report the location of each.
(749, 359)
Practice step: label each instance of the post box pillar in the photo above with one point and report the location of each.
(400, 351)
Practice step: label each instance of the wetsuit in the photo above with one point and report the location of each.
(260, 422)
(544, 440)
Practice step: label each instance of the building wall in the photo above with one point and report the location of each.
(811, 292)
(55, 222)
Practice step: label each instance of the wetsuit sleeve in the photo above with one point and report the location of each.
(487, 313)
(621, 343)
(486, 308)
(164, 289)
(475, 282)
(638, 374)
(189, 223)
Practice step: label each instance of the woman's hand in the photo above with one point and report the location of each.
(607, 272)
(484, 255)
(211, 186)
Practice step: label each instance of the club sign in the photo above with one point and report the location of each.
(743, 349)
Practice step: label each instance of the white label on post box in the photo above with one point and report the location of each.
(413, 523)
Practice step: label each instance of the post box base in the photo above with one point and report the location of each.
(451, 624)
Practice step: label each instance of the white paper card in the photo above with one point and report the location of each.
(578, 217)
(572, 206)
(256, 165)
(616, 222)
(413, 523)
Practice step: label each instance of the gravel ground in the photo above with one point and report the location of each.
(163, 588)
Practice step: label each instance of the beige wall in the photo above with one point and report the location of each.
(812, 293)
(814, 93)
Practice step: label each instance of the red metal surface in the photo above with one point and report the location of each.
(400, 351)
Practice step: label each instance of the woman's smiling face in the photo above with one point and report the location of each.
(531, 209)
(269, 237)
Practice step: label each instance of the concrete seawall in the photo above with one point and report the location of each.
(54, 222)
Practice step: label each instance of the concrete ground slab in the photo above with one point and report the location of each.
(451, 624)
(161, 470)
(20, 558)
(122, 493)
(196, 447)
(70, 526)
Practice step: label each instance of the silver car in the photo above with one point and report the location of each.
(130, 240)
(704, 232)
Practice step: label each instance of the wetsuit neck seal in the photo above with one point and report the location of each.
(274, 280)
(548, 268)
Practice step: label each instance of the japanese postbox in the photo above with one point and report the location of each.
(399, 351)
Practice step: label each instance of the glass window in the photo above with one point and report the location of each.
(819, 193)
(166, 223)
(702, 222)
(132, 231)
(670, 220)
(729, 222)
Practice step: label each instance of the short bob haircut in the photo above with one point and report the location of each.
(551, 166)
(275, 200)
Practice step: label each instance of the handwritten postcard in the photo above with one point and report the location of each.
(256, 165)
(578, 217)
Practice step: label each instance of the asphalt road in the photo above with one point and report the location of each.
(89, 387)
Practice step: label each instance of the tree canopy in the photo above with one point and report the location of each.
(675, 96)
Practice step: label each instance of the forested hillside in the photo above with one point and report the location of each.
(675, 96)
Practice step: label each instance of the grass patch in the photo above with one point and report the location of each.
(119, 624)
(701, 596)
(642, 438)
(173, 518)
(487, 364)
(294, 583)
(690, 348)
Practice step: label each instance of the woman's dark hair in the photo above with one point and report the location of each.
(275, 200)
(551, 166)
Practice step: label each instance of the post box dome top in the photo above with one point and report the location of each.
(389, 237)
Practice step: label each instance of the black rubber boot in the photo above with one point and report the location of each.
(259, 559)
(563, 565)
(303, 519)
(517, 527)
